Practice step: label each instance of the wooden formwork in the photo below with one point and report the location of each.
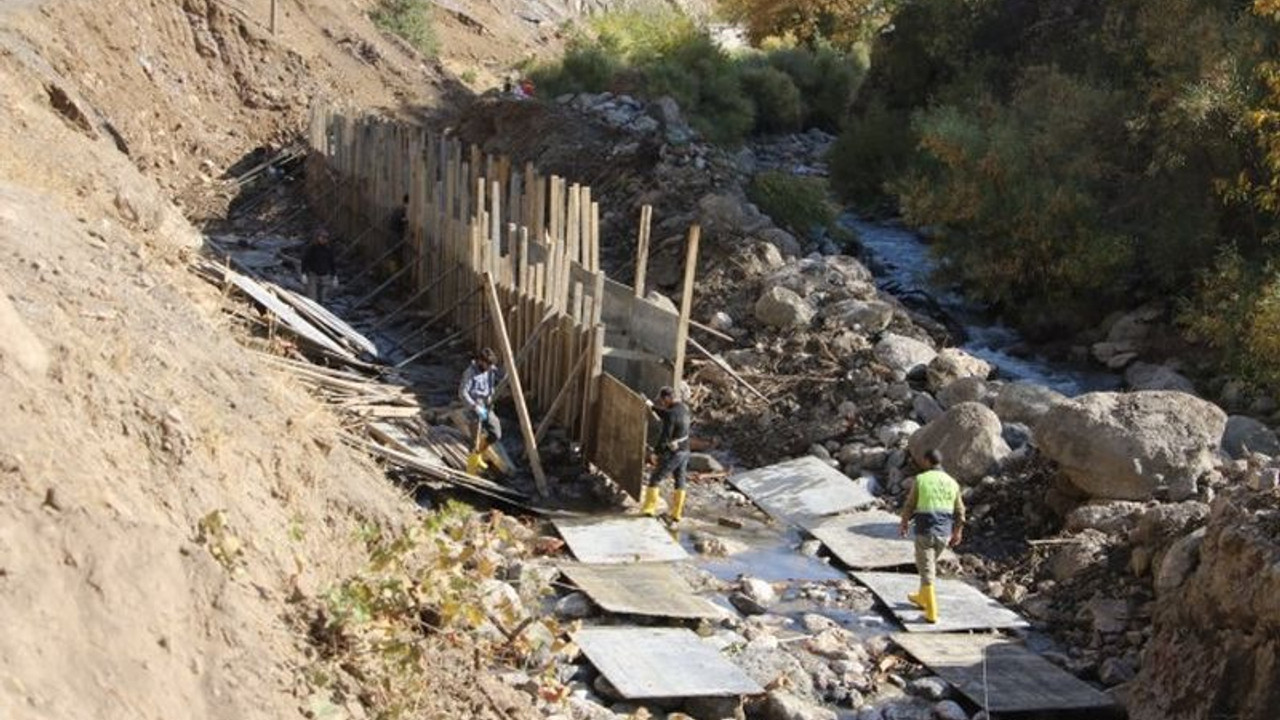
(470, 216)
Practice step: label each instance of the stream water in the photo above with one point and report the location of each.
(904, 264)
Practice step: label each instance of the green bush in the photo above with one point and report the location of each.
(799, 204)
(411, 20)
(586, 67)
(874, 146)
(779, 108)
(826, 79)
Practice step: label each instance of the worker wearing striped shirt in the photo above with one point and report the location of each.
(935, 505)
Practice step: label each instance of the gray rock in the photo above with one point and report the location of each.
(952, 364)
(930, 688)
(1116, 671)
(867, 316)
(574, 606)
(584, 709)
(746, 605)
(1178, 563)
(722, 213)
(758, 590)
(782, 705)
(1112, 518)
(1069, 559)
(897, 433)
(1016, 435)
(899, 352)
(1146, 376)
(1024, 402)
(714, 708)
(949, 710)
(1126, 446)
(781, 308)
(970, 389)
(925, 407)
(721, 321)
(784, 241)
(969, 438)
(1244, 435)
(770, 666)
(704, 463)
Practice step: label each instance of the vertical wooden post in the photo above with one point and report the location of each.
(686, 304)
(642, 248)
(517, 392)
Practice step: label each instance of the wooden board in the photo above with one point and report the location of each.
(662, 663)
(621, 428)
(864, 540)
(619, 539)
(650, 589)
(1014, 679)
(797, 491)
(960, 606)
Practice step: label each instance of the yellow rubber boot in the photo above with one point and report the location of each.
(649, 505)
(677, 505)
(917, 598)
(930, 604)
(476, 464)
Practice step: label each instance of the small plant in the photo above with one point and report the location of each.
(799, 204)
(411, 20)
(468, 76)
(214, 533)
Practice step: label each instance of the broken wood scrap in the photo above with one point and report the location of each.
(720, 363)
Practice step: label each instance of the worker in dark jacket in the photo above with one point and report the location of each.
(479, 384)
(672, 450)
(319, 268)
(937, 508)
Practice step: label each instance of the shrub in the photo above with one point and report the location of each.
(586, 67)
(826, 79)
(799, 204)
(411, 20)
(779, 108)
(874, 146)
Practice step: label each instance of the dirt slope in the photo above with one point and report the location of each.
(164, 498)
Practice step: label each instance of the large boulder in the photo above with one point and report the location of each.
(782, 705)
(969, 438)
(784, 241)
(1126, 446)
(1147, 376)
(1245, 435)
(781, 308)
(953, 364)
(903, 353)
(1025, 402)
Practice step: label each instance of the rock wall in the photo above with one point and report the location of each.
(1215, 652)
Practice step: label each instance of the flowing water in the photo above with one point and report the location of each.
(903, 264)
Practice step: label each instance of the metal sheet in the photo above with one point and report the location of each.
(800, 490)
(866, 539)
(960, 606)
(649, 589)
(626, 539)
(1014, 679)
(662, 663)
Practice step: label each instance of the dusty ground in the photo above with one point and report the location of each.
(165, 500)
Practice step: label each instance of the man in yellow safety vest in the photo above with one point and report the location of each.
(935, 504)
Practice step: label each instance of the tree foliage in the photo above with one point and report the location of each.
(809, 22)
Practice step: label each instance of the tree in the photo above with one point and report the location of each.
(842, 22)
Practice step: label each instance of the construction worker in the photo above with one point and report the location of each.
(935, 503)
(319, 267)
(672, 450)
(479, 383)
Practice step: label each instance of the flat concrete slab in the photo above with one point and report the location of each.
(1015, 679)
(649, 589)
(960, 606)
(662, 663)
(865, 540)
(619, 539)
(797, 491)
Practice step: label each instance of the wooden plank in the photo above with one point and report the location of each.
(642, 249)
(621, 434)
(960, 606)
(619, 539)
(662, 663)
(1001, 676)
(517, 392)
(648, 589)
(686, 304)
(559, 401)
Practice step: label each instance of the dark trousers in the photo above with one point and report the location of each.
(675, 464)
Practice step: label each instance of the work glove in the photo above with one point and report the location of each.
(483, 413)
(648, 403)
(673, 446)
